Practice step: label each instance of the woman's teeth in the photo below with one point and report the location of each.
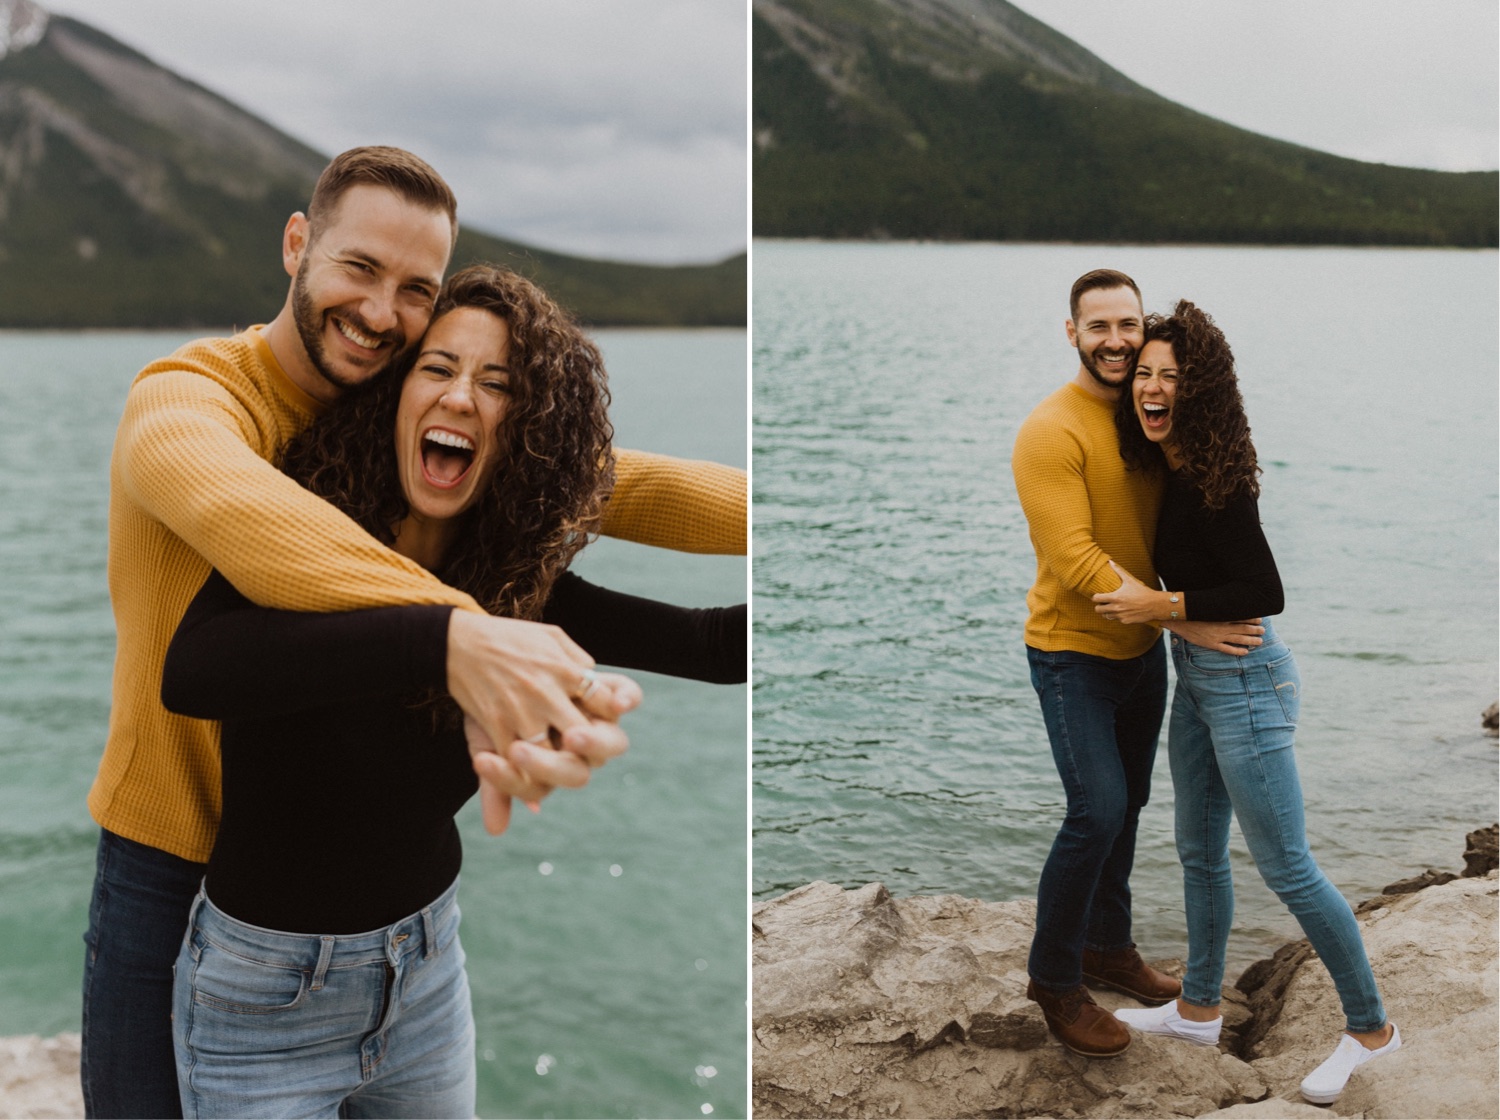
(451, 439)
(446, 456)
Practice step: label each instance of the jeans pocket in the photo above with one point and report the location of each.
(1286, 683)
(1212, 663)
(227, 982)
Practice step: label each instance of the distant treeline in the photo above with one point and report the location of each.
(1007, 158)
(127, 269)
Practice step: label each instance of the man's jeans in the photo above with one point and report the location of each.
(1230, 746)
(271, 1024)
(137, 917)
(1103, 717)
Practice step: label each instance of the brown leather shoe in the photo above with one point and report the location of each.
(1122, 970)
(1079, 1023)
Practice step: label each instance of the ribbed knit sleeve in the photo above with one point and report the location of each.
(1048, 465)
(1083, 509)
(191, 455)
(684, 504)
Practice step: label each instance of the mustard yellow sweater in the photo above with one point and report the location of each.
(1084, 509)
(192, 485)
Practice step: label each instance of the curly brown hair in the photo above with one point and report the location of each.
(554, 468)
(1209, 428)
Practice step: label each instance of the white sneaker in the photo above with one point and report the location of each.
(1324, 1084)
(1165, 1020)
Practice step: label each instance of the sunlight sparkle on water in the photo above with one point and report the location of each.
(544, 867)
(616, 870)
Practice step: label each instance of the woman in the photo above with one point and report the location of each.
(322, 974)
(1233, 718)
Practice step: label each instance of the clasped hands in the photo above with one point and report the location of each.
(1134, 602)
(1131, 602)
(536, 716)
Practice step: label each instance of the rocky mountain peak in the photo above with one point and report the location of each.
(955, 40)
(22, 25)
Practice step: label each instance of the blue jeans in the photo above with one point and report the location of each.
(1103, 718)
(137, 913)
(1230, 748)
(272, 1024)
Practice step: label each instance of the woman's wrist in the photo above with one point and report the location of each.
(1172, 607)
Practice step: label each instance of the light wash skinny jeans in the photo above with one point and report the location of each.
(1229, 743)
(270, 1024)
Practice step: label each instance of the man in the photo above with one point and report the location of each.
(193, 486)
(1102, 685)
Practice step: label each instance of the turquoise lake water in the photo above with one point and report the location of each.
(896, 734)
(606, 937)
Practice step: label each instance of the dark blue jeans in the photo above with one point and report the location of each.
(1104, 718)
(137, 918)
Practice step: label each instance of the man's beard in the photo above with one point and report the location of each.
(309, 322)
(1088, 364)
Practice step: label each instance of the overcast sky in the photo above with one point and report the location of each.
(1409, 82)
(607, 129)
(616, 128)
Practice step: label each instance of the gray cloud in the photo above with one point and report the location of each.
(605, 129)
(1387, 81)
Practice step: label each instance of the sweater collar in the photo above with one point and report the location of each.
(285, 386)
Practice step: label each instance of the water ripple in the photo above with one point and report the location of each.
(897, 734)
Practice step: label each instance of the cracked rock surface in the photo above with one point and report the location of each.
(867, 1005)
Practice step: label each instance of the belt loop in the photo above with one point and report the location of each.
(429, 934)
(192, 922)
(325, 954)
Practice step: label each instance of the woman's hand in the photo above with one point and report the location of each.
(526, 770)
(1132, 601)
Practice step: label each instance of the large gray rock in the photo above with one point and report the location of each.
(867, 1005)
(39, 1076)
(1434, 956)
(872, 1006)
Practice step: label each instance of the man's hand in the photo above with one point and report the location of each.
(1238, 638)
(1132, 601)
(523, 680)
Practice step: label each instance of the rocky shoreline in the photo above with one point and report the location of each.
(871, 1006)
(39, 1077)
(867, 1005)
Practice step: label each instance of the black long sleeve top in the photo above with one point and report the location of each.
(338, 791)
(1219, 558)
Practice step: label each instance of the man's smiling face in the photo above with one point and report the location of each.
(1108, 332)
(366, 283)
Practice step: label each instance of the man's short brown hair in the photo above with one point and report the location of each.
(1102, 278)
(392, 168)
